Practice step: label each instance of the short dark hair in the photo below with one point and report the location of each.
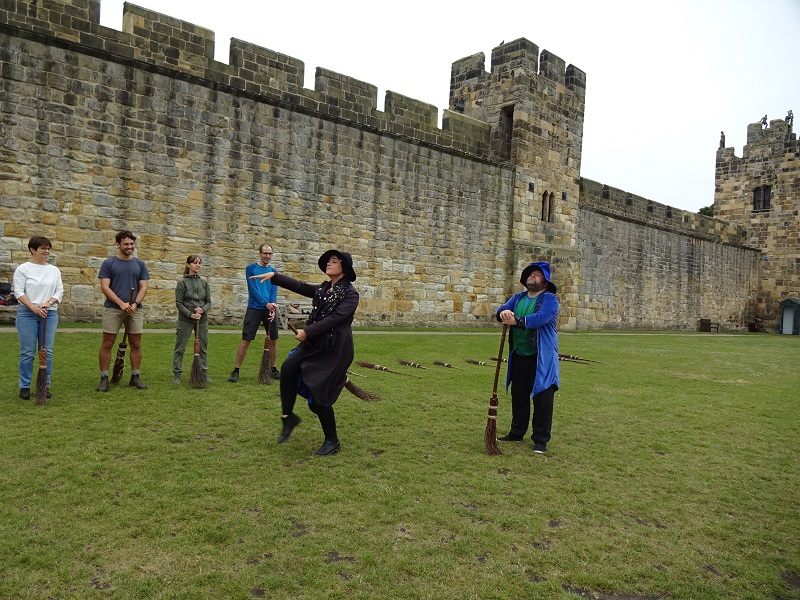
(38, 241)
(125, 234)
(261, 247)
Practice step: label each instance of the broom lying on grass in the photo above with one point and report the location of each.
(197, 379)
(482, 363)
(369, 365)
(119, 362)
(410, 363)
(41, 376)
(441, 363)
(490, 435)
(349, 385)
(264, 370)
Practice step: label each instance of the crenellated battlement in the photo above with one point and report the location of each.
(153, 41)
(513, 59)
(623, 205)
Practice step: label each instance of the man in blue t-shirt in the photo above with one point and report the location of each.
(123, 281)
(261, 309)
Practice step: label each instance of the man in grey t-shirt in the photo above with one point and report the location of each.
(123, 281)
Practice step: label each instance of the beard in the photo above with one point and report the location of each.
(533, 288)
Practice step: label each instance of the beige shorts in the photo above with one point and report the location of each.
(113, 319)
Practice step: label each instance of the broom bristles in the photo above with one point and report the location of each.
(41, 378)
(197, 378)
(263, 370)
(361, 392)
(490, 437)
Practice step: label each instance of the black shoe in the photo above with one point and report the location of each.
(289, 423)
(24, 393)
(328, 448)
(47, 393)
(539, 448)
(275, 374)
(103, 385)
(234, 376)
(510, 438)
(137, 383)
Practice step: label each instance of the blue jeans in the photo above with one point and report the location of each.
(29, 330)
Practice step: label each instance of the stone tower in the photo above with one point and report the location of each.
(534, 105)
(761, 193)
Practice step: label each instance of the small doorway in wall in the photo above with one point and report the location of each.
(790, 316)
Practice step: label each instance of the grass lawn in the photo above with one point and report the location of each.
(672, 473)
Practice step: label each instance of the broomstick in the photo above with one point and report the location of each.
(576, 358)
(369, 365)
(409, 363)
(263, 369)
(119, 362)
(482, 363)
(197, 379)
(490, 436)
(441, 363)
(360, 392)
(41, 376)
(349, 385)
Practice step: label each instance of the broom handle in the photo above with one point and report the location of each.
(131, 298)
(499, 359)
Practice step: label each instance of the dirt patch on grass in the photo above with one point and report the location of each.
(583, 592)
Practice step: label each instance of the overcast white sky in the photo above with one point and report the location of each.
(663, 79)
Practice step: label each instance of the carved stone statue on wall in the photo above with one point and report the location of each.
(721, 139)
(764, 121)
(790, 118)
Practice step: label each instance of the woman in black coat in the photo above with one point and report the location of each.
(317, 368)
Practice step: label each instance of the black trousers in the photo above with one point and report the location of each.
(523, 374)
(290, 374)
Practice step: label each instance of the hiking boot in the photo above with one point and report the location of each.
(176, 380)
(329, 447)
(510, 438)
(24, 393)
(289, 423)
(539, 448)
(234, 376)
(103, 385)
(275, 374)
(137, 383)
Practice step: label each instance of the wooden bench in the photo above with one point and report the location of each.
(294, 310)
(706, 325)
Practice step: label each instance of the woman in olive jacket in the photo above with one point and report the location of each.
(317, 368)
(193, 299)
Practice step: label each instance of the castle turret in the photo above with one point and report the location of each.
(761, 193)
(534, 105)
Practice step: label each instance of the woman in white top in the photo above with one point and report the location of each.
(38, 289)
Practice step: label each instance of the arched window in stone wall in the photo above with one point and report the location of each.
(762, 196)
(605, 193)
(551, 207)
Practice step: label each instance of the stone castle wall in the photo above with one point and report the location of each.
(771, 158)
(141, 129)
(646, 265)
